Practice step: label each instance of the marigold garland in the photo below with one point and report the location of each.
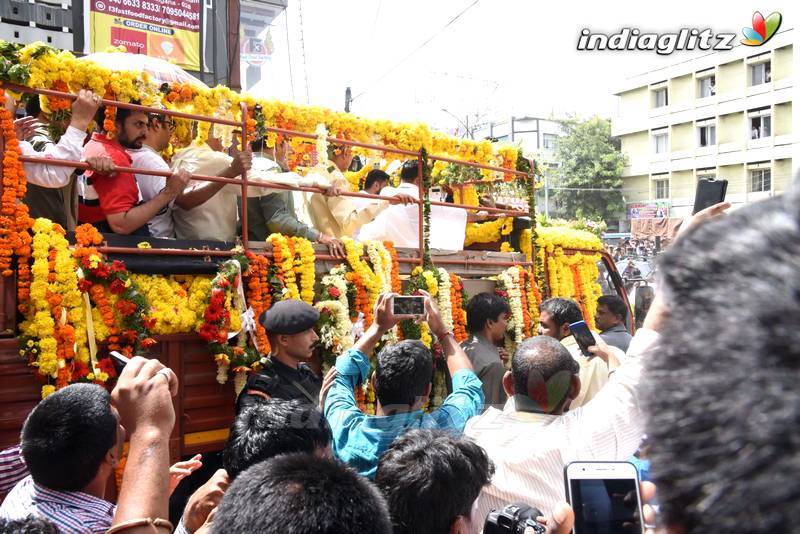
(14, 219)
(259, 296)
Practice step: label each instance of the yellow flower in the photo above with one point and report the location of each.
(144, 244)
(47, 390)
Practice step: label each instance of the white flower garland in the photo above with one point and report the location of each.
(336, 278)
(510, 279)
(337, 338)
(444, 301)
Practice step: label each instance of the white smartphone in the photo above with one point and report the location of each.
(605, 497)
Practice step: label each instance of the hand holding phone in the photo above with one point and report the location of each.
(605, 497)
(583, 336)
(709, 191)
(408, 305)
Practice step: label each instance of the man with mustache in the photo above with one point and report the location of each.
(112, 201)
(286, 375)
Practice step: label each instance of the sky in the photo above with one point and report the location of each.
(499, 57)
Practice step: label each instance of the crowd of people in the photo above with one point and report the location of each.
(710, 379)
(635, 248)
(177, 206)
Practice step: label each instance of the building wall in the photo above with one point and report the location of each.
(782, 120)
(637, 146)
(681, 90)
(636, 188)
(782, 174)
(782, 63)
(730, 77)
(682, 136)
(731, 128)
(635, 101)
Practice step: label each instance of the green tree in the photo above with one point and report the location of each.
(588, 183)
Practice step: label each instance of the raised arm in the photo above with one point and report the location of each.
(143, 398)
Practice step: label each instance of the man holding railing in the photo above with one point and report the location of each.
(217, 216)
(111, 201)
(341, 216)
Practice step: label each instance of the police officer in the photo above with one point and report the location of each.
(285, 375)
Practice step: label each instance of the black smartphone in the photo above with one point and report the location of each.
(710, 191)
(605, 497)
(408, 305)
(119, 360)
(584, 337)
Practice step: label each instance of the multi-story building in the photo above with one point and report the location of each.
(724, 114)
(536, 135)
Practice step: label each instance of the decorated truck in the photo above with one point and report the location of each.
(67, 298)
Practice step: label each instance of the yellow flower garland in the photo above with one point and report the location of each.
(354, 250)
(304, 267)
(49, 66)
(280, 243)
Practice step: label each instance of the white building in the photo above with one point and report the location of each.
(726, 114)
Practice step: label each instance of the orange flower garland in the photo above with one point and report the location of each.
(362, 297)
(110, 120)
(526, 310)
(396, 285)
(59, 104)
(259, 296)
(459, 315)
(14, 219)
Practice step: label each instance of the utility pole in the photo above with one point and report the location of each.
(546, 198)
(348, 98)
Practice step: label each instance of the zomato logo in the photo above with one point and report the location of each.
(661, 43)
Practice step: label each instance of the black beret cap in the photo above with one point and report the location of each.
(289, 317)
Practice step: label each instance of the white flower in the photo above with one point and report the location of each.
(444, 302)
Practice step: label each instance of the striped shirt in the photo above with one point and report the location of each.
(12, 469)
(530, 450)
(71, 511)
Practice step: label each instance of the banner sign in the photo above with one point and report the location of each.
(649, 210)
(166, 29)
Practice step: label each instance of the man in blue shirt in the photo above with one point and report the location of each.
(402, 382)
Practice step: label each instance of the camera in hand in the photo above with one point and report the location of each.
(408, 305)
(514, 519)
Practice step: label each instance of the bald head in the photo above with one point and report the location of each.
(542, 370)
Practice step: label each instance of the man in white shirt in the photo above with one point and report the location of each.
(69, 147)
(216, 218)
(532, 439)
(148, 157)
(400, 224)
(555, 316)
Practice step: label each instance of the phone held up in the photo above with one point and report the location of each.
(408, 305)
(605, 497)
(710, 191)
(119, 360)
(583, 336)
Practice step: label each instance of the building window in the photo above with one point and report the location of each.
(760, 73)
(707, 86)
(660, 141)
(660, 96)
(549, 141)
(708, 135)
(760, 180)
(760, 123)
(662, 188)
